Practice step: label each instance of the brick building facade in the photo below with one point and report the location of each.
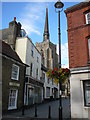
(78, 23)
(78, 34)
(13, 71)
(10, 34)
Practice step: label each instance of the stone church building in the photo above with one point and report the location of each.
(49, 58)
(47, 48)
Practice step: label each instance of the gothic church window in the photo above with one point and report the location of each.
(52, 53)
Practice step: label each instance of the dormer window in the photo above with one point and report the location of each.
(88, 18)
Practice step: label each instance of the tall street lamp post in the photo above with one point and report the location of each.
(58, 8)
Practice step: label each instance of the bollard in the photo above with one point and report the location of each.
(35, 110)
(49, 112)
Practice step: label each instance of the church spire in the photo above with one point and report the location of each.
(46, 28)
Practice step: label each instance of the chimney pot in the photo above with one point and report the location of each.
(14, 18)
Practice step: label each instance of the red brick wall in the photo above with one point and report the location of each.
(78, 32)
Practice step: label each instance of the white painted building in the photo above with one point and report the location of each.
(50, 88)
(31, 56)
(80, 92)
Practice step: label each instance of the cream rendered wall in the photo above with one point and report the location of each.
(21, 44)
(30, 59)
(78, 110)
(23, 49)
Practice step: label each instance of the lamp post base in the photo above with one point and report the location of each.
(60, 113)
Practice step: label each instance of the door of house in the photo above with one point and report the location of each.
(30, 96)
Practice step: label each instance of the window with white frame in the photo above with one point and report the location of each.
(13, 99)
(31, 69)
(89, 47)
(32, 51)
(37, 73)
(86, 86)
(15, 72)
(88, 18)
(37, 56)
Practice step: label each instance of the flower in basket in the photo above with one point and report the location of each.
(58, 74)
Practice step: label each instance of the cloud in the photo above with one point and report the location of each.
(31, 15)
(64, 54)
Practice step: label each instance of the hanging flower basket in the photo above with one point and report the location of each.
(58, 74)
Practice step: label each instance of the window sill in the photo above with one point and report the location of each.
(87, 107)
(14, 79)
(11, 108)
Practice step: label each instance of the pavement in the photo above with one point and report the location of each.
(42, 112)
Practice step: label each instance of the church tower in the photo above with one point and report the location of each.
(47, 48)
(49, 59)
(46, 28)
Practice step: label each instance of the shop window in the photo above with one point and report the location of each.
(15, 72)
(86, 86)
(13, 99)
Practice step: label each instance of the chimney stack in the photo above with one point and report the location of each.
(14, 18)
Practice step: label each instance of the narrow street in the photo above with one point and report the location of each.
(42, 110)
